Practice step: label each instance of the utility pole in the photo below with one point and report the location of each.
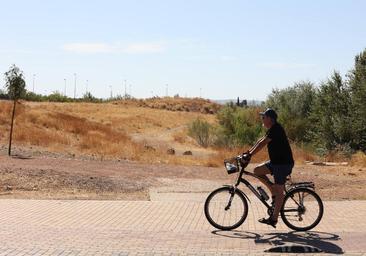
(75, 86)
(130, 91)
(111, 91)
(65, 87)
(86, 90)
(166, 90)
(34, 78)
(125, 88)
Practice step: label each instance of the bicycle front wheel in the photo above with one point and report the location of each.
(226, 209)
(302, 209)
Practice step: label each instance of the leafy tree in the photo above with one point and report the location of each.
(225, 118)
(357, 83)
(31, 96)
(293, 105)
(237, 126)
(15, 86)
(3, 95)
(247, 126)
(331, 114)
(88, 97)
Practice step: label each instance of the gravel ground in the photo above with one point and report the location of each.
(47, 175)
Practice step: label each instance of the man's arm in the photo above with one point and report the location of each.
(259, 145)
(256, 144)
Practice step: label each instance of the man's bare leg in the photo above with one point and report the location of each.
(262, 171)
(279, 196)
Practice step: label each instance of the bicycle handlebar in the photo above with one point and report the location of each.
(243, 161)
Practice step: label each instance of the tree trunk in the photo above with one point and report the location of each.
(11, 127)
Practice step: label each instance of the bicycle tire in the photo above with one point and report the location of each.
(317, 198)
(229, 190)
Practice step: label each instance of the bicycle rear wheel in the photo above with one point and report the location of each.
(226, 209)
(302, 209)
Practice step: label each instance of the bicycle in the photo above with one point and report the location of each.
(226, 208)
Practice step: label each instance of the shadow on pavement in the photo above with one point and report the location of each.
(283, 242)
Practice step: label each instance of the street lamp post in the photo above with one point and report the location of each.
(74, 85)
(34, 78)
(65, 87)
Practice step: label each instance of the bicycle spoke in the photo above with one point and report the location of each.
(302, 209)
(295, 201)
(222, 216)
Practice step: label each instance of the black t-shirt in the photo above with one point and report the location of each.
(279, 149)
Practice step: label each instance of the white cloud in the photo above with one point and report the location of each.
(134, 48)
(284, 65)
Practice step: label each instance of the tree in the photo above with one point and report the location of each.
(293, 105)
(357, 83)
(237, 126)
(15, 86)
(330, 115)
(89, 97)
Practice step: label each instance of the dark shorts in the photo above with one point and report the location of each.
(279, 171)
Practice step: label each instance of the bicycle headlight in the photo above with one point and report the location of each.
(231, 168)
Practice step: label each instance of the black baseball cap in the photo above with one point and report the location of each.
(270, 113)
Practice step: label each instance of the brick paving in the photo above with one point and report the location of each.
(164, 227)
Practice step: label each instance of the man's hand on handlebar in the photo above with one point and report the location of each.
(246, 156)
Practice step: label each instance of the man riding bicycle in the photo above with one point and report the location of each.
(280, 164)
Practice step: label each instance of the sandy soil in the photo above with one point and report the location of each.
(65, 177)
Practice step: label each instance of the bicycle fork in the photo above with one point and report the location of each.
(232, 193)
(233, 189)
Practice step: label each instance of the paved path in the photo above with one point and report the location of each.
(163, 227)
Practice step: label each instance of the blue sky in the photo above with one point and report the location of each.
(227, 48)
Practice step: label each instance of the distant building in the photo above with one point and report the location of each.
(242, 103)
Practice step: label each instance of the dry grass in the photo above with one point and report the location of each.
(180, 137)
(39, 126)
(102, 130)
(358, 159)
(109, 130)
(176, 104)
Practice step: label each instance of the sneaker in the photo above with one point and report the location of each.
(268, 221)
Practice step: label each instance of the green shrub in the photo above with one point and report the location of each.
(57, 97)
(201, 131)
(237, 126)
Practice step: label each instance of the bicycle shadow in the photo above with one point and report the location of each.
(321, 241)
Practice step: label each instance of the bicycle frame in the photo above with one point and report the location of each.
(294, 191)
(240, 179)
